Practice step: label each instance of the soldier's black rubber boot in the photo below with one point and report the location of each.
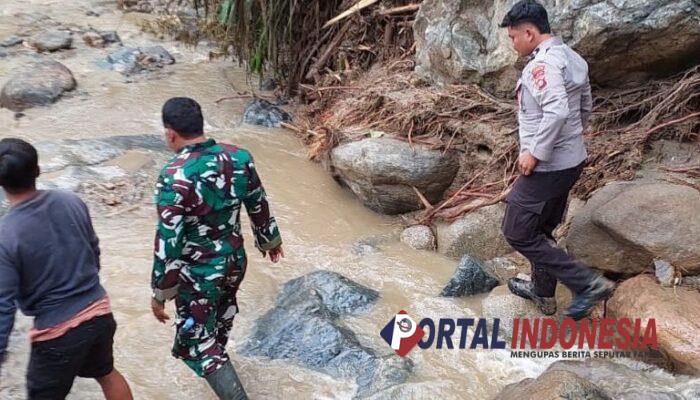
(226, 384)
(600, 289)
(524, 289)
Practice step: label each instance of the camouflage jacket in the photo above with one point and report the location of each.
(199, 196)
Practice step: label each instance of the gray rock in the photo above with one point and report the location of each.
(665, 273)
(419, 237)
(625, 226)
(52, 41)
(622, 41)
(366, 246)
(304, 326)
(11, 41)
(132, 60)
(155, 57)
(624, 383)
(268, 84)
(691, 281)
(111, 37)
(3, 53)
(477, 233)
(262, 112)
(37, 83)
(469, 279)
(382, 173)
(553, 385)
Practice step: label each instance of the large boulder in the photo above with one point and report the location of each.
(676, 315)
(469, 279)
(625, 226)
(382, 172)
(304, 326)
(52, 40)
(553, 385)
(626, 383)
(477, 233)
(621, 40)
(37, 83)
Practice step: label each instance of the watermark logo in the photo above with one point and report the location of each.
(402, 333)
(529, 337)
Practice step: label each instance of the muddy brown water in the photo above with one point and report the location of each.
(319, 220)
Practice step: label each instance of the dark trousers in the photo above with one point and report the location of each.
(536, 205)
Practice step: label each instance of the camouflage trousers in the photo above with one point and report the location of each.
(205, 307)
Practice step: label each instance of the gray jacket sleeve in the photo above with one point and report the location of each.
(9, 286)
(586, 105)
(545, 81)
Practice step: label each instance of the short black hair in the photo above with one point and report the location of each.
(527, 11)
(184, 116)
(19, 165)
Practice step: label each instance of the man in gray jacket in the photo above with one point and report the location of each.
(554, 98)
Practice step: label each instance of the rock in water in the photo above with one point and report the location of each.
(132, 60)
(419, 237)
(625, 226)
(304, 326)
(676, 315)
(469, 279)
(382, 172)
(553, 385)
(52, 41)
(37, 83)
(11, 41)
(262, 112)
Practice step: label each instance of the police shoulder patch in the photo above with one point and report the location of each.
(537, 76)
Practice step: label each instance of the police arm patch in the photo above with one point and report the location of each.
(538, 77)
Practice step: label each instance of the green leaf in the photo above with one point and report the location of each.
(375, 134)
(224, 11)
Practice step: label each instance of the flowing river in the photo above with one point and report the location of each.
(319, 220)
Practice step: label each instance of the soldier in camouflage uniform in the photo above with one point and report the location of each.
(199, 256)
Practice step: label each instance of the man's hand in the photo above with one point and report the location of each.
(526, 163)
(276, 254)
(158, 309)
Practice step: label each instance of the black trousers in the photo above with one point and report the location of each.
(536, 205)
(84, 351)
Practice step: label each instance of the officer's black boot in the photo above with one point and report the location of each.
(524, 289)
(226, 384)
(600, 289)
